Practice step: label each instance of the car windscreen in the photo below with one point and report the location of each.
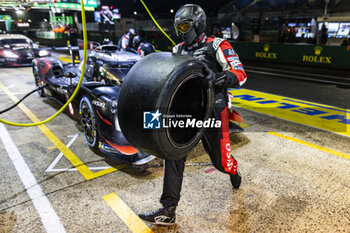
(15, 44)
(120, 72)
(13, 41)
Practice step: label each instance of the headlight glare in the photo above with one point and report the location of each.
(43, 53)
(10, 54)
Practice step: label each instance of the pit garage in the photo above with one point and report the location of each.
(293, 154)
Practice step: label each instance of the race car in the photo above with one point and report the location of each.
(95, 106)
(18, 50)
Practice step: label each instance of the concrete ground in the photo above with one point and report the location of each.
(295, 178)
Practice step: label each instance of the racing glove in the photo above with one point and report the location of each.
(225, 79)
(208, 80)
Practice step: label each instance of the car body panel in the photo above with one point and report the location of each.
(100, 85)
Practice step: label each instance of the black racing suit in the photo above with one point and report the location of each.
(220, 57)
(145, 49)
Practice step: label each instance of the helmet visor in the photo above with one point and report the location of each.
(183, 27)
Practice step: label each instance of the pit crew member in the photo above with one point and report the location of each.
(224, 70)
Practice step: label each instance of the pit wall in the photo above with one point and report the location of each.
(303, 54)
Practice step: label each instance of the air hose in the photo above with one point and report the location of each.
(18, 102)
(160, 28)
(82, 71)
(76, 89)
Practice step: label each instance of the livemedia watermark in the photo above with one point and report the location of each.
(157, 120)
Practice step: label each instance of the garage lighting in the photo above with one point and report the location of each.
(43, 53)
(19, 12)
(171, 10)
(135, 13)
(45, 20)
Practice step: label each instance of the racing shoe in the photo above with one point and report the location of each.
(164, 216)
(236, 180)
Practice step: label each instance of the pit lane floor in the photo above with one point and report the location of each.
(295, 178)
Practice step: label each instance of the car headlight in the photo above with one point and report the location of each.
(10, 54)
(43, 53)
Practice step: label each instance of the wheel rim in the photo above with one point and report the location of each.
(182, 137)
(37, 83)
(87, 121)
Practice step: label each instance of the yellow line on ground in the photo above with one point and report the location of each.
(69, 60)
(52, 147)
(324, 149)
(134, 223)
(77, 163)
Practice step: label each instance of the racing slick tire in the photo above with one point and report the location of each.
(41, 92)
(88, 123)
(164, 83)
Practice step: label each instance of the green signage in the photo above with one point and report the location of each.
(326, 56)
(7, 20)
(89, 5)
(266, 53)
(317, 57)
(60, 19)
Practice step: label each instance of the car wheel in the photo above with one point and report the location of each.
(88, 122)
(37, 82)
(170, 84)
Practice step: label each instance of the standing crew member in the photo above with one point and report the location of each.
(72, 41)
(224, 70)
(125, 41)
(323, 34)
